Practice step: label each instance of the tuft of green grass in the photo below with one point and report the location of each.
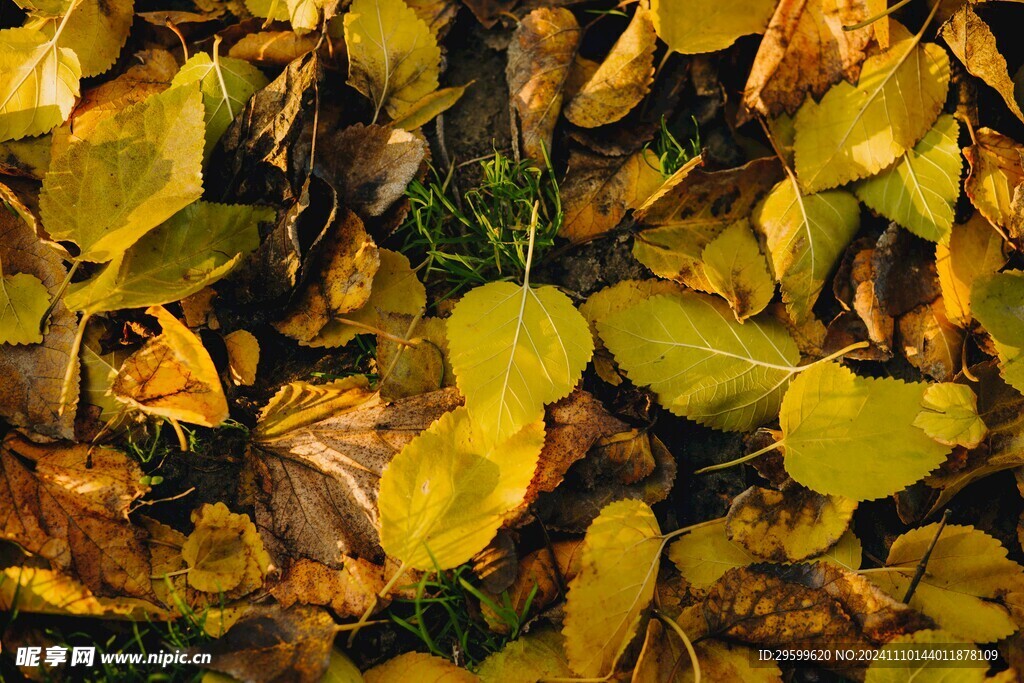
(481, 235)
(672, 153)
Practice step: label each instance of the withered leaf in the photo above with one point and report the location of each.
(224, 552)
(995, 178)
(930, 342)
(349, 591)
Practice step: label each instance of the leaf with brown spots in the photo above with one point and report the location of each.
(930, 342)
(994, 182)
(349, 591)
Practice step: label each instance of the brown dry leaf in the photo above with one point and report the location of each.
(33, 374)
(973, 43)
(436, 14)
(804, 52)
(537, 569)
(631, 452)
(681, 221)
(995, 178)
(224, 552)
(371, 166)
(497, 565)
(43, 591)
(789, 525)
(903, 268)
(974, 249)
(880, 326)
(269, 643)
(299, 404)
(487, 12)
(930, 342)
(273, 48)
(348, 261)
(598, 190)
(621, 81)
(243, 357)
(349, 591)
(319, 494)
(172, 376)
(540, 56)
(410, 370)
(72, 508)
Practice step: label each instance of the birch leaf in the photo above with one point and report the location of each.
(515, 349)
(533, 657)
(702, 363)
(615, 584)
(96, 31)
(393, 57)
(858, 130)
(444, 496)
(418, 666)
(974, 249)
(949, 414)
(23, 301)
(39, 84)
(696, 26)
(136, 169)
(998, 304)
(705, 554)
(736, 269)
(920, 191)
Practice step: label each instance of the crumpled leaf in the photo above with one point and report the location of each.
(805, 235)
(72, 509)
(621, 81)
(23, 301)
(966, 582)
(996, 175)
(930, 342)
(418, 666)
(243, 357)
(393, 68)
(858, 130)
(920, 191)
(533, 657)
(443, 497)
(540, 57)
(40, 83)
(695, 26)
(615, 584)
(743, 368)
(172, 376)
(789, 525)
(32, 375)
(319, 497)
(692, 209)
(949, 414)
(852, 436)
(805, 51)
(226, 85)
(738, 271)
(974, 248)
(996, 302)
(515, 349)
(136, 169)
(705, 553)
(299, 404)
(224, 552)
(192, 249)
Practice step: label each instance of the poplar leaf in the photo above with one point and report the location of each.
(428, 107)
(852, 436)
(192, 249)
(974, 249)
(621, 81)
(996, 174)
(949, 414)
(920, 191)
(893, 665)
(393, 57)
(224, 552)
(696, 26)
(515, 349)
(135, 170)
(172, 376)
(96, 31)
(23, 301)
(533, 657)
(736, 269)
(443, 497)
(418, 666)
(858, 130)
(705, 554)
(997, 301)
(805, 235)
(702, 363)
(966, 582)
(39, 84)
(615, 584)
(226, 85)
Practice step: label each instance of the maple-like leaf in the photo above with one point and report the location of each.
(224, 552)
(949, 414)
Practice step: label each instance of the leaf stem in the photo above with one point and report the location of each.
(529, 252)
(364, 620)
(740, 461)
(919, 574)
(838, 354)
(375, 330)
(69, 373)
(880, 15)
(58, 295)
(694, 661)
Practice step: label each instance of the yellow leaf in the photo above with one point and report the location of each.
(96, 31)
(350, 591)
(39, 84)
(418, 666)
(393, 57)
(533, 657)
(614, 586)
(695, 26)
(417, 369)
(995, 178)
(515, 349)
(621, 81)
(243, 357)
(443, 497)
(893, 664)
(428, 107)
(224, 552)
(997, 301)
(299, 404)
(99, 370)
(172, 376)
(540, 57)
(304, 15)
(44, 591)
(858, 130)
(737, 270)
(23, 301)
(974, 249)
(703, 555)
(950, 415)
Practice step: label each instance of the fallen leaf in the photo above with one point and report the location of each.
(394, 69)
(615, 584)
(33, 103)
(349, 592)
(696, 26)
(172, 376)
(621, 81)
(974, 249)
(538, 581)
(429, 107)
(273, 48)
(996, 174)
(533, 657)
(930, 342)
(243, 357)
(540, 57)
(71, 507)
(224, 552)
(418, 666)
(949, 414)
(945, 647)
(410, 370)
(299, 404)
(96, 30)
(996, 303)
(24, 299)
(99, 370)
(496, 565)
(720, 661)
(738, 271)
(706, 553)
(303, 15)
(43, 591)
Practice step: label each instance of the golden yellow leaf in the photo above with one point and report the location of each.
(273, 48)
(621, 81)
(172, 376)
(418, 666)
(695, 26)
(23, 301)
(614, 586)
(704, 554)
(428, 107)
(243, 357)
(224, 552)
(44, 591)
(349, 591)
(40, 84)
(393, 57)
(949, 414)
(299, 404)
(995, 178)
(895, 666)
(737, 270)
(533, 657)
(974, 249)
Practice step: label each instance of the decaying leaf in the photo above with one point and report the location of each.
(696, 26)
(172, 376)
(996, 174)
(930, 342)
(996, 301)
(224, 552)
(737, 270)
(349, 591)
(243, 357)
(974, 248)
(539, 579)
